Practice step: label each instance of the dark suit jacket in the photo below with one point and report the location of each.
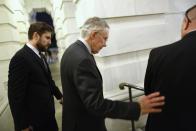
(172, 71)
(30, 92)
(84, 107)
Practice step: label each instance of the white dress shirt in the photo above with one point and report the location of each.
(86, 44)
(33, 49)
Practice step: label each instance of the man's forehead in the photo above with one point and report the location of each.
(47, 33)
(105, 32)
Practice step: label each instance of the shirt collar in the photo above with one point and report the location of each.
(86, 44)
(192, 30)
(33, 48)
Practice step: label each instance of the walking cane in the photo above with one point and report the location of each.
(130, 86)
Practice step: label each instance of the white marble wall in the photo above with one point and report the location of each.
(136, 26)
(65, 23)
(9, 43)
(58, 16)
(21, 17)
(13, 22)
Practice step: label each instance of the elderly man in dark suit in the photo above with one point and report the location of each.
(30, 85)
(84, 107)
(172, 71)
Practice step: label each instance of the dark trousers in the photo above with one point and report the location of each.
(49, 126)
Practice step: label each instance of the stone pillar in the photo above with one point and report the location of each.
(9, 41)
(22, 20)
(9, 44)
(68, 30)
(58, 16)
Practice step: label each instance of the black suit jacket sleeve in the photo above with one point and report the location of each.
(89, 87)
(17, 86)
(57, 93)
(55, 89)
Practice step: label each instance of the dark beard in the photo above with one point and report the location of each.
(40, 47)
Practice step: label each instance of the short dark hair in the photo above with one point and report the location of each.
(40, 28)
(187, 13)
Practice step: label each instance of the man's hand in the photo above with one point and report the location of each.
(28, 129)
(151, 103)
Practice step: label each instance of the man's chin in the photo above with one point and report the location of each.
(43, 49)
(95, 52)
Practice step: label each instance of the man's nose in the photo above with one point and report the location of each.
(49, 42)
(104, 44)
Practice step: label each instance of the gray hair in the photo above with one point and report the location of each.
(93, 24)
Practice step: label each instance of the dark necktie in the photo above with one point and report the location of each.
(93, 59)
(43, 60)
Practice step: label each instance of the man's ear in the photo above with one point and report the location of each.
(36, 36)
(93, 34)
(186, 24)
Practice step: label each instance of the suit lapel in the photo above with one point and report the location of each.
(93, 59)
(90, 56)
(36, 58)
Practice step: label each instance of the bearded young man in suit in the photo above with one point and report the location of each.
(84, 107)
(30, 85)
(172, 71)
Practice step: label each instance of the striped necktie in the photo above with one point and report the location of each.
(44, 61)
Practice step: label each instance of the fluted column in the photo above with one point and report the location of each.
(21, 20)
(9, 44)
(65, 23)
